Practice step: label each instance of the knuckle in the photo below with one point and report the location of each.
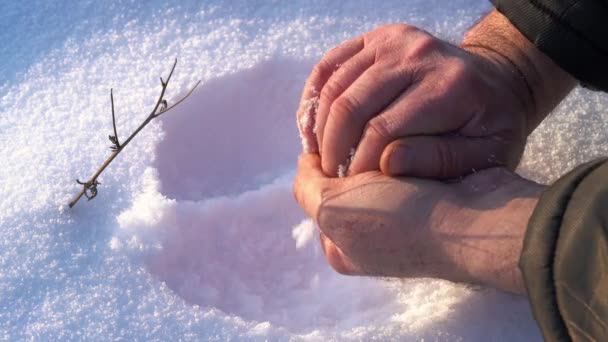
(457, 73)
(388, 33)
(322, 69)
(331, 89)
(344, 108)
(423, 46)
(460, 69)
(401, 28)
(397, 29)
(377, 129)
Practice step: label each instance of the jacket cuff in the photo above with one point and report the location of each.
(572, 33)
(564, 260)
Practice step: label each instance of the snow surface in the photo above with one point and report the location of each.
(192, 234)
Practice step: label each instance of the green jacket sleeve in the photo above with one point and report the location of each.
(573, 33)
(564, 260)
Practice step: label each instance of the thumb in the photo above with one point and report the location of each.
(444, 157)
(310, 184)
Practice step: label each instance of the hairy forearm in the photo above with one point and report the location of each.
(535, 78)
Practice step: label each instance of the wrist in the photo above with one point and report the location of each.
(532, 77)
(493, 209)
(503, 227)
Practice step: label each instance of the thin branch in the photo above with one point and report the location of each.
(89, 188)
(178, 101)
(114, 138)
(164, 86)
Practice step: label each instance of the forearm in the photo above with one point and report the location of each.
(485, 247)
(501, 231)
(536, 79)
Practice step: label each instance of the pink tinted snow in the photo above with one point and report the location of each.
(307, 124)
(227, 160)
(238, 132)
(231, 246)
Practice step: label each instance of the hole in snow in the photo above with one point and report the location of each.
(233, 134)
(229, 241)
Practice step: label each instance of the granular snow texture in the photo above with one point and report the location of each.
(192, 234)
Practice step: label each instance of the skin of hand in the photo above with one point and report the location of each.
(375, 225)
(414, 105)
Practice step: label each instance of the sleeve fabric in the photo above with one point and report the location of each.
(564, 260)
(573, 33)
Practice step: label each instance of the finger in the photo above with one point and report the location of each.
(323, 70)
(341, 80)
(415, 112)
(444, 157)
(309, 101)
(310, 184)
(336, 258)
(363, 100)
(309, 187)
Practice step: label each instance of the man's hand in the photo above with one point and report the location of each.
(376, 225)
(414, 105)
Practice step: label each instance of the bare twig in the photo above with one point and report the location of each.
(89, 188)
(113, 138)
(178, 102)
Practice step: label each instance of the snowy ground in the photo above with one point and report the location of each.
(190, 237)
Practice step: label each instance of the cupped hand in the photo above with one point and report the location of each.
(434, 109)
(376, 225)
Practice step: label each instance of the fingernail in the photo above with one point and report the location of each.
(398, 161)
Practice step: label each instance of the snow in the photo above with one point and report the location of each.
(303, 233)
(195, 234)
(307, 123)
